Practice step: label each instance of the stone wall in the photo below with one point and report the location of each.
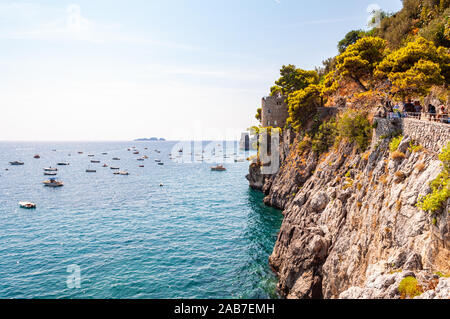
(432, 135)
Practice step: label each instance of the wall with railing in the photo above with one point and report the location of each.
(433, 135)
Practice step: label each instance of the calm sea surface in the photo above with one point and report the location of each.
(203, 234)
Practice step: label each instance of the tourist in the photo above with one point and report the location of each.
(432, 112)
(408, 107)
(417, 109)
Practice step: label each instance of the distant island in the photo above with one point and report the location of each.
(151, 139)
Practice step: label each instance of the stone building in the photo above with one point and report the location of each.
(274, 111)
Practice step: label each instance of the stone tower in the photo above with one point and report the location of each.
(274, 111)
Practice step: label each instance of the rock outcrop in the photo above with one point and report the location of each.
(351, 227)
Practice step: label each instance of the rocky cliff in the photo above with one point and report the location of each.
(351, 227)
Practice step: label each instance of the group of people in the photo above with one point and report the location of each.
(416, 110)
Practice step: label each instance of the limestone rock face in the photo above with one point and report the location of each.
(351, 227)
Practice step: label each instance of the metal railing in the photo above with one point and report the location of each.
(433, 117)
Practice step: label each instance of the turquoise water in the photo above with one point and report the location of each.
(202, 235)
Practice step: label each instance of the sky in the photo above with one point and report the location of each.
(105, 70)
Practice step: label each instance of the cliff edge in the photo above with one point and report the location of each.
(351, 226)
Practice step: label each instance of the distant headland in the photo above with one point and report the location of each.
(151, 139)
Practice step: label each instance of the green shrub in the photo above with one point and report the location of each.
(355, 126)
(395, 143)
(440, 186)
(325, 136)
(409, 287)
(414, 148)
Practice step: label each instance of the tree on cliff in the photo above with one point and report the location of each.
(258, 115)
(357, 64)
(349, 39)
(415, 68)
(293, 79)
(302, 105)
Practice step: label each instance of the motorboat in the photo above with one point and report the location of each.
(50, 169)
(239, 160)
(218, 168)
(62, 164)
(157, 160)
(50, 173)
(53, 183)
(116, 159)
(145, 157)
(160, 163)
(141, 166)
(115, 168)
(140, 159)
(136, 152)
(105, 165)
(16, 163)
(121, 173)
(94, 161)
(91, 155)
(27, 205)
(37, 156)
(104, 153)
(91, 171)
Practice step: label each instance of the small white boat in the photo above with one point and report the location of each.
(53, 183)
(104, 153)
(50, 173)
(157, 160)
(16, 163)
(160, 163)
(62, 164)
(27, 205)
(116, 159)
(239, 160)
(91, 155)
(91, 171)
(93, 161)
(140, 159)
(50, 169)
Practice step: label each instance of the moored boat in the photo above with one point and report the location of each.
(115, 168)
(53, 183)
(91, 171)
(27, 205)
(50, 173)
(37, 156)
(93, 161)
(62, 164)
(16, 163)
(218, 168)
(116, 159)
(50, 169)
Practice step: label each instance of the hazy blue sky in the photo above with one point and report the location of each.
(117, 70)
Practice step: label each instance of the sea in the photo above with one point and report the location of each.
(177, 230)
